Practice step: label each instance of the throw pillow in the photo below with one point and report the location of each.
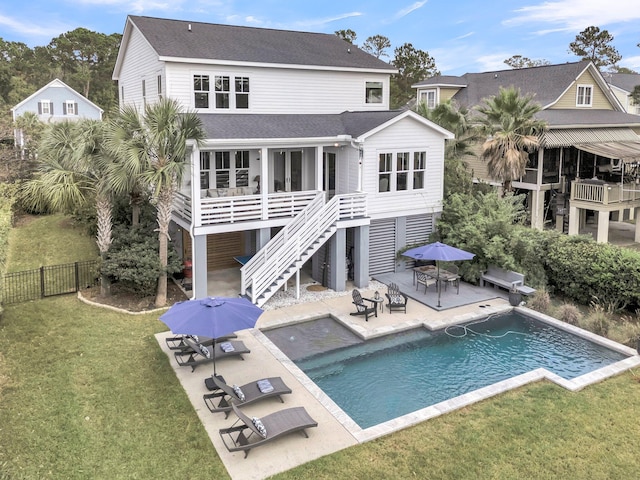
(239, 393)
(259, 426)
(205, 351)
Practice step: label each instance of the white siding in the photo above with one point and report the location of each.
(276, 90)
(405, 135)
(140, 62)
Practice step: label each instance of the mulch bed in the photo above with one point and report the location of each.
(131, 302)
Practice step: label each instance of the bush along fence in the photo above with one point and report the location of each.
(49, 281)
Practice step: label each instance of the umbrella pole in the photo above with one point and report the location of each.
(439, 282)
(214, 357)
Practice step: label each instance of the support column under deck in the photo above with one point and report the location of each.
(603, 227)
(199, 256)
(337, 272)
(574, 220)
(361, 256)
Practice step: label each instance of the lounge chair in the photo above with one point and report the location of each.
(178, 343)
(275, 425)
(198, 354)
(250, 393)
(397, 299)
(425, 280)
(361, 307)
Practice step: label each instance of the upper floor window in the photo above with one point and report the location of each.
(373, 92)
(70, 107)
(428, 97)
(45, 107)
(201, 90)
(144, 93)
(407, 172)
(242, 92)
(160, 87)
(205, 169)
(222, 92)
(584, 96)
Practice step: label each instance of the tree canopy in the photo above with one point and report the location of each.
(595, 45)
(413, 65)
(518, 61)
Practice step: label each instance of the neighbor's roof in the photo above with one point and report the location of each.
(624, 81)
(547, 82)
(263, 126)
(206, 41)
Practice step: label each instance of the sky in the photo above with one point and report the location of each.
(461, 35)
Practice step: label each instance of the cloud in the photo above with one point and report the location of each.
(631, 62)
(575, 15)
(406, 11)
(466, 35)
(30, 28)
(317, 22)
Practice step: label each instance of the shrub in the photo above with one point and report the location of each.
(569, 313)
(7, 198)
(626, 332)
(540, 301)
(597, 321)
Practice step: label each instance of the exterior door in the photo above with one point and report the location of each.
(329, 174)
(287, 171)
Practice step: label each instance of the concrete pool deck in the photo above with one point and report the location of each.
(336, 430)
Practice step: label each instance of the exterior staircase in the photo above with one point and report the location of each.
(286, 253)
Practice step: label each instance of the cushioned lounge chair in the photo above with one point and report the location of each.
(245, 435)
(178, 343)
(250, 391)
(397, 299)
(361, 307)
(199, 354)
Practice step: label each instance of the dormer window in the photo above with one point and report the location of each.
(373, 92)
(428, 97)
(584, 96)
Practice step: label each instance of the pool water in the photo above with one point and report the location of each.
(381, 379)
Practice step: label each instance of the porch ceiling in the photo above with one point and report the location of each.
(583, 137)
(626, 151)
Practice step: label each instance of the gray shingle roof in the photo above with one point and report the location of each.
(245, 126)
(546, 82)
(625, 81)
(173, 38)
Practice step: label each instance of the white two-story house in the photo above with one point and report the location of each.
(303, 165)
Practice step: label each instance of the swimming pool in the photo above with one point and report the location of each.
(381, 379)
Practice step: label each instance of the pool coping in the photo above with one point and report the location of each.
(455, 403)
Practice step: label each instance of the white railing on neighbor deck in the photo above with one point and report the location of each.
(234, 209)
(297, 241)
(604, 193)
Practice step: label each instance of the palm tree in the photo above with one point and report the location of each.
(456, 119)
(72, 173)
(152, 148)
(508, 119)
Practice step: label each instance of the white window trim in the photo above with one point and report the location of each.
(426, 93)
(73, 104)
(212, 91)
(393, 174)
(383, 96)
(48, 104)
(584, 85)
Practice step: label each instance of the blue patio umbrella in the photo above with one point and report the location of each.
(439, 252)
(213, 317)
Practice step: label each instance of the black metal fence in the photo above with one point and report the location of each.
(49, 281)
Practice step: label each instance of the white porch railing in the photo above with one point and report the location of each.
(604, 193)
(286, 252)
(234, 209)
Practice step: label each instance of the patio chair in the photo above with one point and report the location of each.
(454, 278)
(397, 299)
(248, 433)
(178, 343)
(199, 354)
(361, 307)
(245, 394)
(425, 280)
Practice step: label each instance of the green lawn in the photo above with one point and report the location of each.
(87, 393)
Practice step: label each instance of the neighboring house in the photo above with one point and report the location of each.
(587, 163)
(622, 85)
(55, 102)
(303, 161)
